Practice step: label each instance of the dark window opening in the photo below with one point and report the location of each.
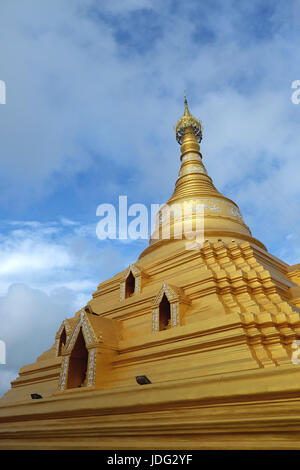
(164, 313)
(62, 342)
(78, 363)
(130, 285)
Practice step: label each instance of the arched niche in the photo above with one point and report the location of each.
(78, 363)
(129, 285)
(168, 308)
(164, 311)
(131, 281)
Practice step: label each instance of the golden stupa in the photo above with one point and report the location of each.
(186, 349)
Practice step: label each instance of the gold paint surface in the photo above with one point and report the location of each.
(221, 373)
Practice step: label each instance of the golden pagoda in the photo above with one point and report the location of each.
(185, 349)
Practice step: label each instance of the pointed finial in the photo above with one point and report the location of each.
(186, 109)
(186, 121)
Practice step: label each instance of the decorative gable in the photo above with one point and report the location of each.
(177, 299)
(91, 342)
(139, 276)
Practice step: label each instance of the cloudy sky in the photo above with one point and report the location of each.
(94, 89)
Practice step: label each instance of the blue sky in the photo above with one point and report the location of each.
(94, 89)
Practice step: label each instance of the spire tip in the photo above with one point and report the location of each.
(188, 120)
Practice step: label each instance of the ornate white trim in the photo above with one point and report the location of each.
(211, 207)
(175, 314)
(64, 373)
(155, 320)
(169, 291)
(92, 367)
(192, 169)
(87, 331)
(90, 339)
(191, 156)
(64, 326)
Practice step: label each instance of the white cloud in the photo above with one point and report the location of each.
(89, 92)
(29, 320)
(51, 254)
(66, 221)
(47, 276)
(99, 89)
(29, 256)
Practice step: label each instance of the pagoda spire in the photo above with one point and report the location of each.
(194, 187)
(193, 180)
